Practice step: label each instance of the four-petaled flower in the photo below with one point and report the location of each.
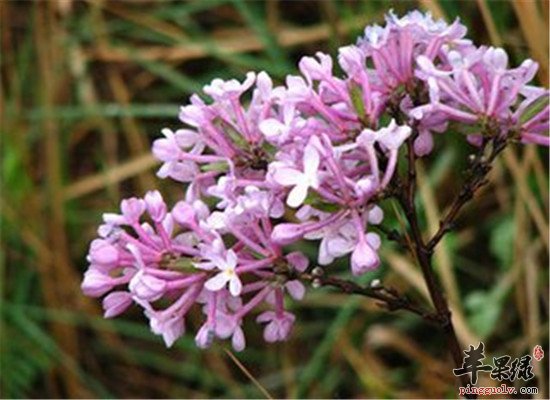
(302, 181)
(228, 274)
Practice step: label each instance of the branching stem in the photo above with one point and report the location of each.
(475, 179)
(388, 298)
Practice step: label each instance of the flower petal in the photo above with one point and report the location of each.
(271, 127)
(287, 176)
(231, 260)
(296, 289)
(238, 340)
(297, 195)
(311, 161)
(217, 282)
(235, 286)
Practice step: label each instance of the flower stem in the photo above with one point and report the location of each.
(423, 252)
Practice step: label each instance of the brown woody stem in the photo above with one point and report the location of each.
(475, 179)
(388, 298)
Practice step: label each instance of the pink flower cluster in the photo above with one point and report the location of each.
(306, 160)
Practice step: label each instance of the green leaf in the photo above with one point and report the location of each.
(534, 108)
(314, 200)
(501, 241)
(356, 94)
(219, 167)
(484, 309)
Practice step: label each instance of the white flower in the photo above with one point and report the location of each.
(277, 131)
(227, 274)
(391, 137)
(221, 90)
(302, 181)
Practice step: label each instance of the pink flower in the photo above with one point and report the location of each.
(171, 327)
(155, 205)
(278, 326)
(147, 287)
(190, 214)
(205, 336)
(96, 283)
(316, 70)
(337, 240)
(226, 90)
(132, 209)
(115, 303)
(352, 60)
(287, 233)
(228, 326)
(267, 166)
(103, 253)
(297, 260)
(195, 114)
(364, 258)
(474, 86)
(391, 137)
(278, 131)
(297, 89)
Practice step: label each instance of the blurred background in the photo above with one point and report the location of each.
(87, 86)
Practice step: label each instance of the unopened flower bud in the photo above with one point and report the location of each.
(155, 205)
(375, 284)
(318, 271)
